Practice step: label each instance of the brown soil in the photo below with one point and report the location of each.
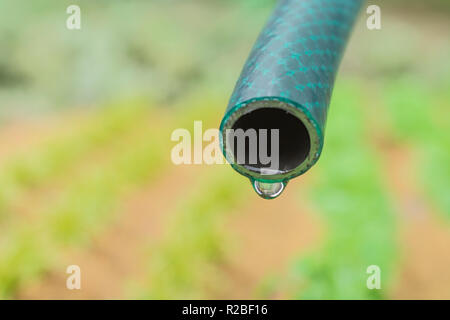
(119, 251)
(425, 239)
(269, 234)
(17, 137)
(36, 199)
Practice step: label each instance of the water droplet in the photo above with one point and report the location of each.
(268, 190)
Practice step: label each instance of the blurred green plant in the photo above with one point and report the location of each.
(359, 218)
(421, 118)
(186, 262)
(86, 204)
(187, 54)
(88, 201)
(37, 167)
(159, 49)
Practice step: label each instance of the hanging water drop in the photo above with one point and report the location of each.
(268, 190)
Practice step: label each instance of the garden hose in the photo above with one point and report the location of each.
(286, 85)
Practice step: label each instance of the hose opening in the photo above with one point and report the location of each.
(293, 139)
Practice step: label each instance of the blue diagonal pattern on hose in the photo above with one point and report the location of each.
(298, 53)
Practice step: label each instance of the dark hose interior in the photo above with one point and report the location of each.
(294, 140)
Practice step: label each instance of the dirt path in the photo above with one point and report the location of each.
(17, 137)
(424, 238)
(119, 252)
(269, 234)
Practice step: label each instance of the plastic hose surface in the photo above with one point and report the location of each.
(287, 82)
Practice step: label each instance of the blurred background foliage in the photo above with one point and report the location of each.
(85, 170)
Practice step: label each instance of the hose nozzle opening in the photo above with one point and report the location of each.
(270, 140)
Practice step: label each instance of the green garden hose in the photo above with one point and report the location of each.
(286, 84)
